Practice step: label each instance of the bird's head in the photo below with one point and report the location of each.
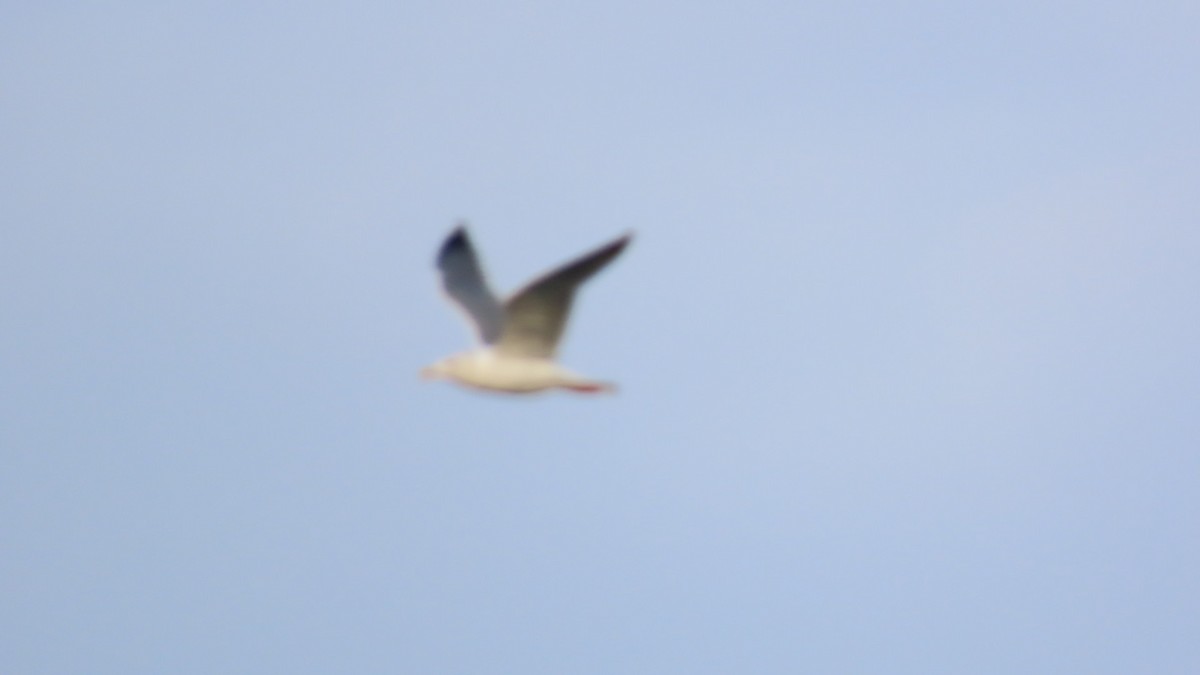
(439, 370)
(450, 367)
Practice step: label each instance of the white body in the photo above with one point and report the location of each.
(485, 369)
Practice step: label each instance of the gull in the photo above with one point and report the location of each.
(519, 336)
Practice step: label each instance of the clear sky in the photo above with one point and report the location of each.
(908, 338)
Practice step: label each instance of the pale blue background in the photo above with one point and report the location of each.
(908, 340)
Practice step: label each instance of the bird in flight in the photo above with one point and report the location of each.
(520, 335)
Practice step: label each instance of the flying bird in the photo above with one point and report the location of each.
(519, 336)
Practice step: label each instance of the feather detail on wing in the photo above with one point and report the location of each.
(536, 316)
(464, 282)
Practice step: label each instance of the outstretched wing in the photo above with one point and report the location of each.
(536, 316)
(463, 281)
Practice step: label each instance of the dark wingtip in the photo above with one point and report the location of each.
(623, 240)
(456, 240)
(617, 245)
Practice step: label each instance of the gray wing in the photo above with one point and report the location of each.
(536, 316)
(463, 281)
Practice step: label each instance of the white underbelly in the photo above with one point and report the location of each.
(514, 375)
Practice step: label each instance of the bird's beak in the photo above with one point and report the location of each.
(428, 373)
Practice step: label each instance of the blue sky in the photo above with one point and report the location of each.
(907, 338)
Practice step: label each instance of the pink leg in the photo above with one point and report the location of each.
(591, 387)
